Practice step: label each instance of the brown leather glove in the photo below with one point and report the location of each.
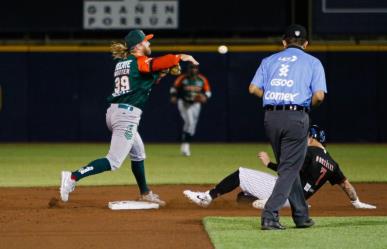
(175, 70)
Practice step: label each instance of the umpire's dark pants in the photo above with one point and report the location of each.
(287, 132)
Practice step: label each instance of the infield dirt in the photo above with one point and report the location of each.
(32, 218)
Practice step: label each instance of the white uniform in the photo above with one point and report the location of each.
(123, 122)
(257, 183)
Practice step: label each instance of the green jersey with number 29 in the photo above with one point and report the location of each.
(131, 86)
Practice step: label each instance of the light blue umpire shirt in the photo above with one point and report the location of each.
(290, 77)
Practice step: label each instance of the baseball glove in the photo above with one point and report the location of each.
(201, 98)
(175, 70)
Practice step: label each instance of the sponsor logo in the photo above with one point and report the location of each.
(283, 71)
(282, 82)
(130, 14)
(129, 132)
(290, 59)
(280, 96)
(86, 169)
(308, 188)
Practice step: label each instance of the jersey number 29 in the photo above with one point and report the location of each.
(122, 84)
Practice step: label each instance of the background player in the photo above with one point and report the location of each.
(189, 91)
(318, 168)
(134, 76)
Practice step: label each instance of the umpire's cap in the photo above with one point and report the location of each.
(317, 133)
(136, 36)
(295, 31)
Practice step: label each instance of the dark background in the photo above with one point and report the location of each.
(61, 97)
(199, 18)
(351, 17)
(63, 19)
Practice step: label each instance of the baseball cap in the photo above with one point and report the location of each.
(295, 31)
(136, 36)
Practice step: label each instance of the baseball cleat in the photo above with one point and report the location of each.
(259, 204)
(153, 198)
(185, 150)
(202, 199)
(186, 153)
(67, 185)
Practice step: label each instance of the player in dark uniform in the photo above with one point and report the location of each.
(318, 168)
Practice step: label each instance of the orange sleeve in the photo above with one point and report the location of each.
(143, 64)
(148, 65)
(164, 62)
(206, 85)
(179, 81)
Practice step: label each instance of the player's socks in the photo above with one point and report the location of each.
(93, 168)
(138, 170)
(228, 184)
(186, 137)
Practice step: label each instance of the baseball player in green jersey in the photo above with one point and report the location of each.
(135, 75)
(190, 91)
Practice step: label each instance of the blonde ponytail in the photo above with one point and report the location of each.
(119, 50)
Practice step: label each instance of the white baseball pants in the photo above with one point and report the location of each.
(123, 123)
(257, 183)
(189, 112)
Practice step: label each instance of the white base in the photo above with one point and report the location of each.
(132, 205)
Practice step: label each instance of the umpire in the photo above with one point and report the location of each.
(289, 82)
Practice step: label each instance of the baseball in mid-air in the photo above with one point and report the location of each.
(222, 49)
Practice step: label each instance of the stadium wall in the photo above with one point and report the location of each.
(58, 94)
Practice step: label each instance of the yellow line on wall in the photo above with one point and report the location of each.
(193, 48)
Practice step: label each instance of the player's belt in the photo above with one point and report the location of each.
(128, 107)
(286, 108)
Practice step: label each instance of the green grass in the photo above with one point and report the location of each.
(328, 233)
(40, 164)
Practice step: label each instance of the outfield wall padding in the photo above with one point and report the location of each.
(60, 96)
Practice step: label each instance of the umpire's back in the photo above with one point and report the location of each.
(288, 82)
(291, 77)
